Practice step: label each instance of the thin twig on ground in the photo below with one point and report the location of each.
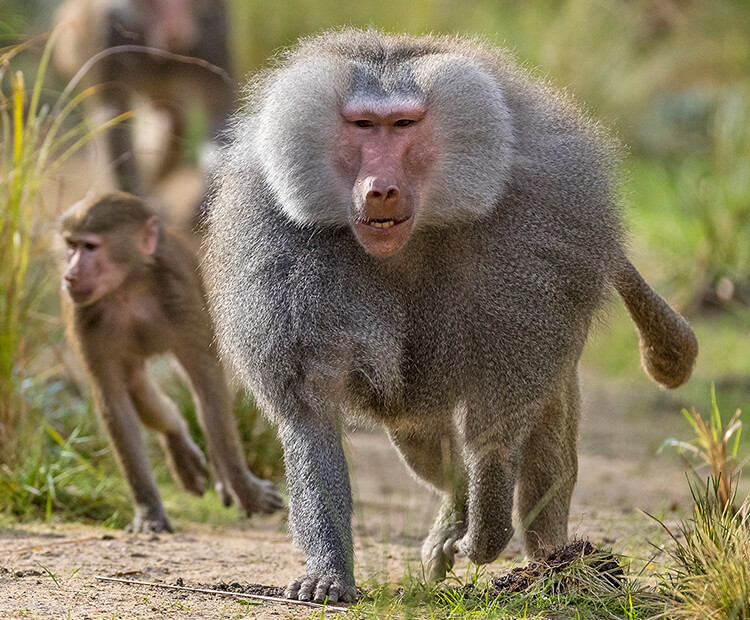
(238, 595)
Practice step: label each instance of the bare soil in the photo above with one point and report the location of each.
(49, 570)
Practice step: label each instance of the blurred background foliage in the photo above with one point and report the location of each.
(671, 78)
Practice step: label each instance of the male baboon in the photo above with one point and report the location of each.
(414, 231)
(131, 290)
(191, 28)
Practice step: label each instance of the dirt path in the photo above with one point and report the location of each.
(48, 571)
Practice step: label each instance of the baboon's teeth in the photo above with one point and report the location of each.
(383, 224)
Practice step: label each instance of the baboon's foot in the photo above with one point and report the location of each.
(222, 490)
(330, 588)
(439, 550)
(149, 519)
(187, 463)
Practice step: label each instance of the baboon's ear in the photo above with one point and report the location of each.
(149, 236)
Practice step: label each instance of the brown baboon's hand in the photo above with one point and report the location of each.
(258, 496)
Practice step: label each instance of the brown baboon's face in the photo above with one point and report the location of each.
(90, 273)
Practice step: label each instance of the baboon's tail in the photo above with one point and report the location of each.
(667, 343)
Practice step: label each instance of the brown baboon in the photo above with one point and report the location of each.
(131, 290)
(416, 232)
(188, 28)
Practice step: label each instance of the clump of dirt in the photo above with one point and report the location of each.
(237, 588)
(600, 563)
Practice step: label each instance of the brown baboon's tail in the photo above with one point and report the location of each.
(668, 344)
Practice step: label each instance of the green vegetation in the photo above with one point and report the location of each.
(703, 217)
(48, 462)
(22, 162)
(36, 141)
(712, 445)
(66, 469)
(710, 574)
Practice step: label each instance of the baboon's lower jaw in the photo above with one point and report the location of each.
(383, 238)
(79, 297)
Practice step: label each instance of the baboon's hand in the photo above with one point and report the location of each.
(258, 496)
(330, 588)
(483, 546)
(438, 554)
(269, 499)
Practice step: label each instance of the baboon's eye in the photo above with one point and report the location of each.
(90, 247)
(404, 122)
(363, 123)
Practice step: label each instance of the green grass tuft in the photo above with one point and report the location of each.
(711, 578)
(710, 551)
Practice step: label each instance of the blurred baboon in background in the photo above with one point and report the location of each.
(128, 78)
(130, 291)
(414, 231)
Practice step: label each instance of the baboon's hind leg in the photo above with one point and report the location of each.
(548, 471)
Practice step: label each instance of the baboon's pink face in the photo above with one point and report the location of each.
(385, 151)
(90, 273)
(173, 25)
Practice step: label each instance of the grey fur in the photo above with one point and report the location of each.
(464, 344)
